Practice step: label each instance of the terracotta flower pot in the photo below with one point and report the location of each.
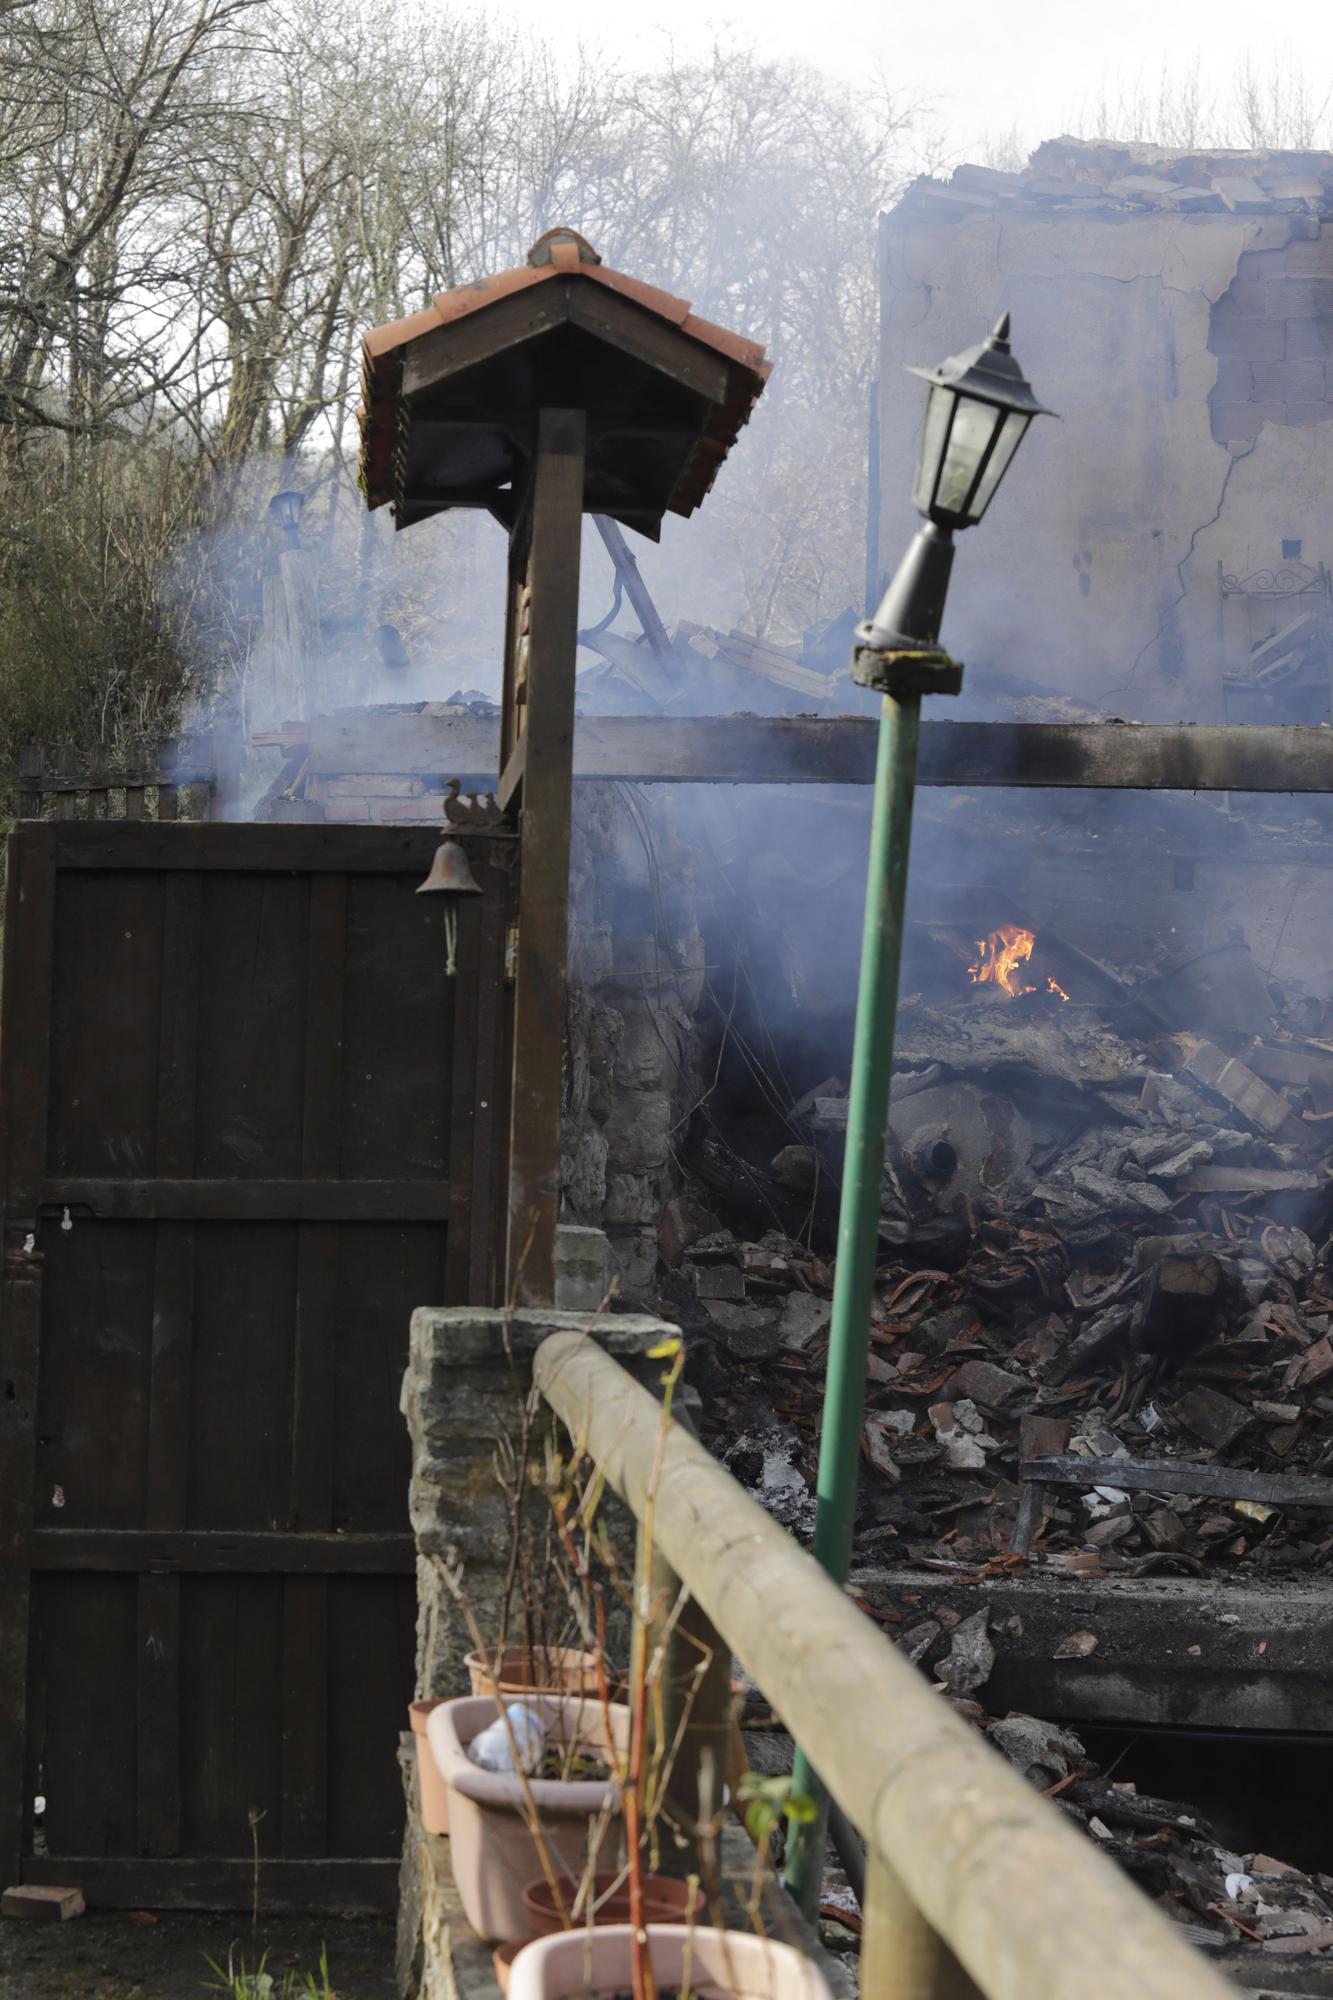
(721, 1965)
(494, 1855)
(502, 1958)
(432, 1792)
(548, 1670)
(665, 1899)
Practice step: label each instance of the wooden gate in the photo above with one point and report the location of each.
(243, 1134)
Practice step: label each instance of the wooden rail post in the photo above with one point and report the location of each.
(1025, 1904)
(902, 1958)
(548, 734)
(690, 1739)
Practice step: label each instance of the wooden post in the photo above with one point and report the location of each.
(548, 727)
(690, 1721)
(1028, 1906)
(902, 1958)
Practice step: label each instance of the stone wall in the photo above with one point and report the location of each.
(1176, 310)
(636, 978)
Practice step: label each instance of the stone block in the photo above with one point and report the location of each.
(1268, 382)
(804, 1318)
(1243, 420)
(372, 788)
(1244, 298)
(1259, 264)
(635, 1252)
(1309, 339)
(1309, 413)
(637, 1131)
(1236, 339)
(632, 1200)
(424, 811)
(1305, 380)
(1312, 258)
(1300, 298)
(42, 1903)
(582, 1268)
(720, 1281)
(1234, 381)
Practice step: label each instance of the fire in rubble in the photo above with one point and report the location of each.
(1001, 961)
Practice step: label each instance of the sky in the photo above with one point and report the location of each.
(1033, 68)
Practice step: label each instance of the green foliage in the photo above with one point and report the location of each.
(241, 1983)
(768, 1801)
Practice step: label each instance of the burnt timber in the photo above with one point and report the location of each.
(810, 750)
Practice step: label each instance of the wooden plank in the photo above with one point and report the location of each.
(305, 1730)
(209, 1882)
(64, 797)
(158, 1758)
(1165, 1475)
(167, 802)
(173, 1276)
(172, 1200)
(305, 1599)
(510, 788)
(158, 1716)
(99, 798)
(470, 1005)
(818, 750)
(634, 330)
(243, 848)
(25, 1048)
(317, 1253)
(539, 1027)
(213, 1551)
(31, 760)
(492, 1065)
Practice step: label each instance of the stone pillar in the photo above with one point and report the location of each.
(469, 1376)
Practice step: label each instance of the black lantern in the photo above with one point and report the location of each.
(979, 407)
(285, 511)
(978, 411)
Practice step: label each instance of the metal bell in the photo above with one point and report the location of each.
(450, 873)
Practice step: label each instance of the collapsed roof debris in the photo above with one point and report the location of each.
(1102, 1241)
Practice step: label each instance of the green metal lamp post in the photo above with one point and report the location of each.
(977, 411)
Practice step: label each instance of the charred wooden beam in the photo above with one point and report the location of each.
(817, 750)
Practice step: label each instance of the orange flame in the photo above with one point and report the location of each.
(1001, 958)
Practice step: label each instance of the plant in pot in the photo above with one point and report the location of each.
(657, 1948)
(704, 1963)
(432, 1792)
(507, 1826)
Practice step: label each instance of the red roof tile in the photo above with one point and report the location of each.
(560, 253)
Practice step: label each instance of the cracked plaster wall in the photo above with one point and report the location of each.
(1097, 572)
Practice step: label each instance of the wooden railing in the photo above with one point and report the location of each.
(975, 1884)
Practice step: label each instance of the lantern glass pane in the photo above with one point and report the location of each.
(1006, 444)
(971, 433)
(934, 434)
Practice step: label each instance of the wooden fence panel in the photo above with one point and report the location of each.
(230, 1070)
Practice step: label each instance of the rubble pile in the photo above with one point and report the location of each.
(1099, 1241)
(1251, 1901)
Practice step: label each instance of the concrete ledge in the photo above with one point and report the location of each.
(1172, 1650)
